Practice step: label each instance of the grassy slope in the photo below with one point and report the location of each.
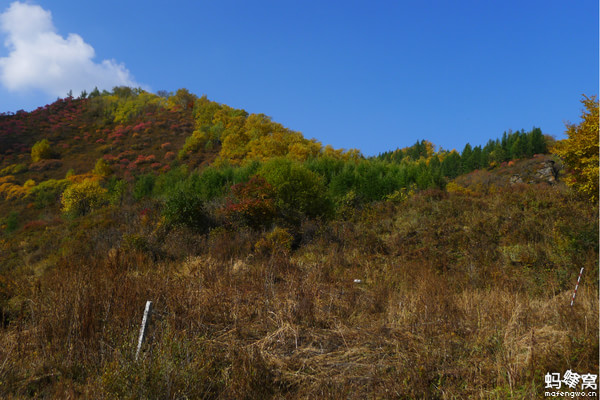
(462, 294)
(79, 139)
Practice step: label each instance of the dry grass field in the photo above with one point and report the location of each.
(279, 268)
(459, 297)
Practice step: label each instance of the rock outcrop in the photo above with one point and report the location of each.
(548, 172)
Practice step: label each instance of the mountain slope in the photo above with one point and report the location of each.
(279, 268)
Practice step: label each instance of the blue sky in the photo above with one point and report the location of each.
(354, 74)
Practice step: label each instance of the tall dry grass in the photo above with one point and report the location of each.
(448, 306)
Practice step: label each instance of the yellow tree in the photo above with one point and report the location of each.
(580, 150)
(41, 150)
(81, 198)
(304, 149)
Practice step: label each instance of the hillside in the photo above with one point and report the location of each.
(279, 267)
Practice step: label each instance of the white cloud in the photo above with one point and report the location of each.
(41, 59)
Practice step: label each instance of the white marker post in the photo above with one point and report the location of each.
(144, 328)
(576, 286)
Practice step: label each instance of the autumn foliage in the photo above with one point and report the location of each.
(580, 150)
(251, 203)
(41, 151)
(83, 197)
(282, 268)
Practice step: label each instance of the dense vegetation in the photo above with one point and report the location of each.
(280, 267)
(580, 151)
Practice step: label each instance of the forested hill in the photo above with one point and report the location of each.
(127, 133)
(129, 141)
(282, 268)
(512, 145)
(174, 128)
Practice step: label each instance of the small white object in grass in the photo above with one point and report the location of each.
(143, 329)
(357, 281)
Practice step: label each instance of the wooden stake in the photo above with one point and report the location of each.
(576, 286)
(144, 328)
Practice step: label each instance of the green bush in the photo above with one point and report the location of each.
(245, 172)
(144, 186)
(297, 188)
(13, 169)
(327, 167)
(186, 207)
(169, 181)
(116, 191)
(211, 182)
(48, 192)
(11, 222)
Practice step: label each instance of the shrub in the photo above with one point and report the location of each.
(144, 186)
(186, 207)
(102, 168)
(11, 222)
(347, 205)
(83, 197)
(168, 181)
(453, 187)
(278, 241)
(48, 192)
(41, 151)
(251, 203)
(142, 159)
(13, 169)
(9, 189)
(210, 183)
(297, 188)
(399, 196)
(116, 191)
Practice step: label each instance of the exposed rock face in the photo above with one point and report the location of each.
(515, 179)
(548, 172)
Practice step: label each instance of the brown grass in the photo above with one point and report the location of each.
(443, 310)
